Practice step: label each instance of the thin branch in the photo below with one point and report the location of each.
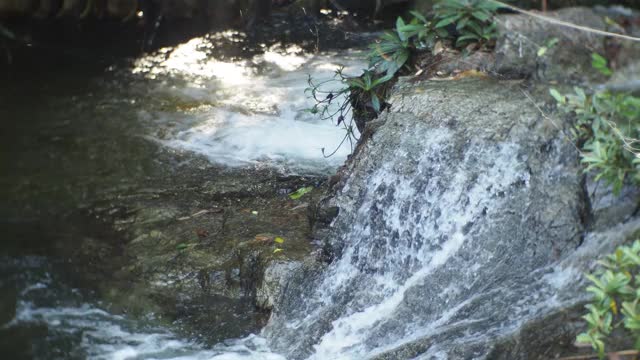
(612, 355)
(547, 117)
(564, 23)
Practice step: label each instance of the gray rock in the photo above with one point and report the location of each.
(275, 278)
(607, 208)
(463, 223)
(521, 37)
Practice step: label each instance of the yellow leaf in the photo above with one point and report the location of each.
(614, 307)
(279, 240)
(277, 251)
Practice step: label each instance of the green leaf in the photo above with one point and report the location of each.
(631, 256)
(598, 60)
(584, 338)
(446, 21)
(489, 5)
(382, 80)
(300, 192)
(481, 15)
(418, 16)
(541, 51)
(466, 37)
(375, 101)
(277, 251)
(552, 42)
(462, 23)
(556, 95)
(182, 246)
(600, 63)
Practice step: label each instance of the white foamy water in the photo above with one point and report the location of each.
(256, 109)
(390, 283)
(78, 329)
(102, 336)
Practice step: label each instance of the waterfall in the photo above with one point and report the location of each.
(451, 237)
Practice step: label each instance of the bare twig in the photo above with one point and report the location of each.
(548, 118)
(611, 355)
(565, 23)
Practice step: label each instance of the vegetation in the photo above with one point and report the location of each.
(616, 298)
(607, 128)
(460, 22)
(361, 94)
(473, 19)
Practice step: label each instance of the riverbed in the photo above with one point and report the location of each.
(78, 135)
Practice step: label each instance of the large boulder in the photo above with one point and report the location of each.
(521, 37)
(464, 222)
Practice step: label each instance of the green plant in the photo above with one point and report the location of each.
(473, 19)
(421, 32)
(608, 128)
(616, 298)
(600, 63)
(366, 86)
(337, 98)
(392, 50)
(549, 44)
(364, 95)
(300, 192)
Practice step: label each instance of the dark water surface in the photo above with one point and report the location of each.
(79, 129)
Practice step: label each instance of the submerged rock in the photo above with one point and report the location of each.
(209, 254)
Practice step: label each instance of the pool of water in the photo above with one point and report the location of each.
(72, 136)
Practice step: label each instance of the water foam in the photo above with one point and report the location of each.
(260, 106)
(105, 336)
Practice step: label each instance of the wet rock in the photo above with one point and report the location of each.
(625, 79)
(276, 277)
(462, 222)
(199, 250)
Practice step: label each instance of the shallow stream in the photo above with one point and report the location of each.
(82, 133)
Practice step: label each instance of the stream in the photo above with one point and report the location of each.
(77, 134)
(147, 211)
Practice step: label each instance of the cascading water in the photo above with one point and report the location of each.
(455, 230)
(459, 219)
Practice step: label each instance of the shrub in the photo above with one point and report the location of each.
(473, 19)
(616, 298)
(363, 95)
(607, 128)
(392, 52)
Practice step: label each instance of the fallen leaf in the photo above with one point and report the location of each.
(263, 238)
(470, 73)
(301, 206)
(279, 240)
(277, 251)
(541, 51)
(437, 48)
(300, 192)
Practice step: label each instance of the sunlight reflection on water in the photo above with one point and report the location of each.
(259, 114)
